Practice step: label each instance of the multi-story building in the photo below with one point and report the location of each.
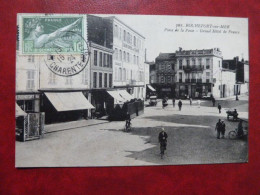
(100, 36)
(128, 58)
(164, 79)
(200, 73)
(242, 74)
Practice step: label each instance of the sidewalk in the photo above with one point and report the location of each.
(51, 128)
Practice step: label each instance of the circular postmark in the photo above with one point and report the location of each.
(71, 60)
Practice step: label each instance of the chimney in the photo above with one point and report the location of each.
(180, 49)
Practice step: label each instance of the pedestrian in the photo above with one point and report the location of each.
(213, 101)
(190, 101)
(163, 102)
(199, 103)
(218, 128)
(163, 141)
(240, 131)
(223, 128)
(173, 102)
(180, 105)
(219, 108)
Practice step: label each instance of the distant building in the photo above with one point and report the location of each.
(242, 74)
(163, 75)
(200, 73)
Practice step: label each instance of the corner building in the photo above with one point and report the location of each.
(199, 73)
(128, 59)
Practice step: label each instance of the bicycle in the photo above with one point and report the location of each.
(162, 148)
(128, 126)
(234, 134)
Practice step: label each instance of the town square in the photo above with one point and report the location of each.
(114, 90)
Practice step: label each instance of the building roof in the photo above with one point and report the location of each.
(115, 18)
(166, 56)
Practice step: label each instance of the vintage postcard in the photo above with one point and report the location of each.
(130, 90)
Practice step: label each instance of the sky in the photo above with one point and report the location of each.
(161, 37)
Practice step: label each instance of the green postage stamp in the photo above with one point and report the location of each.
(42, 34)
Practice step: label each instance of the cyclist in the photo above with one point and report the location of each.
(163, 141)
(127, 121)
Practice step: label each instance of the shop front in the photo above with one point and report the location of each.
(63, 106)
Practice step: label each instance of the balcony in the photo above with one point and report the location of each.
(193, 68)
(199, 80)
(193, 80)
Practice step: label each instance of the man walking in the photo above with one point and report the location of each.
(218, 128)
(190, 101)
(223, 129)
(213, 101)
(219, 108)
(180, 105)
(173, 102)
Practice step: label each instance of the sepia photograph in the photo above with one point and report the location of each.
(96, 90)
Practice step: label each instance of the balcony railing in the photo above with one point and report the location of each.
(192, 68)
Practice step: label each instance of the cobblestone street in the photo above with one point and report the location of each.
(191, 140)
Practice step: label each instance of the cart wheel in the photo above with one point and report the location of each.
(232, 135)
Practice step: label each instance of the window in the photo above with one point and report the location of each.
(110, 61)
(120, 74)
(30, 79)
(128, 58)
(110, 80)
(116, 74)
(104, 60)
(120, 55)
(188, 62)
(100, 59)
(193, 75)
(193, 62)
(128, 37)
(134, 59)
(31, 58)
(207, 63)
(200, 63)
(120, 33)
(116, 31)
(100, 79)
(124, 56)
(124, 35)
(180, 77)
(134, 41)
(52, 78)
(116, 54)
(94, 80)
(180, 64)
(105, 80)
(95, 57)
(137, 59)
(162, 79)
(207, 75)
(124, 74)
(169, 79)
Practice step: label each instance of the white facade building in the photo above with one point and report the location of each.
(128, 59)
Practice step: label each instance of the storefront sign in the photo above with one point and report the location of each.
(130, 47)
(27, 97)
